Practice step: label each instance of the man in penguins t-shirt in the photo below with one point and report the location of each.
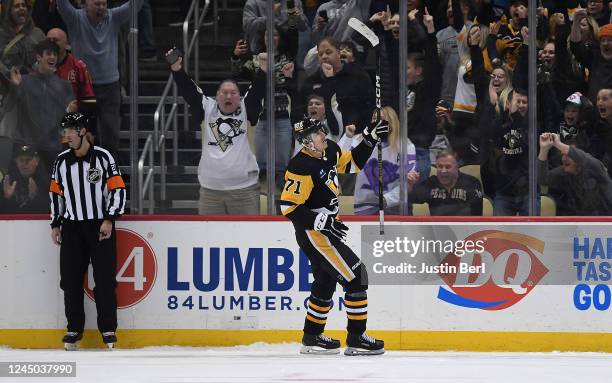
(228, 171)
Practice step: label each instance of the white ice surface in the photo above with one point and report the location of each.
(282, 363)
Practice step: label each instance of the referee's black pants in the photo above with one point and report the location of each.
(80, 244)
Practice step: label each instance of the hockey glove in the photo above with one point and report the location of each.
(380, 131)
(328, 223)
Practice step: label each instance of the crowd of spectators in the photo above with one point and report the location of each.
(56, 56)
(467, 96)
(466, 93)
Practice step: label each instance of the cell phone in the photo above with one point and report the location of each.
(174, 55)
(290, 4)
(323, 14)
(524, 22)
(243, 39)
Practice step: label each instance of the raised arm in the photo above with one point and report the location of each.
(479, 74)
(188, 89)
(521, 70)
(67, 11)
(252, 23)
(354, 160)
(433, 68)
(253, 100)
(417, 192)
(546, 143)
(582, 53)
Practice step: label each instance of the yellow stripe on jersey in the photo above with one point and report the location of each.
(329, 252)
(357, 317)
(345, 163)
(296, 191)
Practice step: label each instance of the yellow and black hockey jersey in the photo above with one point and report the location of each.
(311, 184)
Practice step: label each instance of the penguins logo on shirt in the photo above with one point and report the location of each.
(567, 131)
(225, 130)
(410, 100)
(512, 144)
(332, 181)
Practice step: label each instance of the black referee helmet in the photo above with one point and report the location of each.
(76, 120)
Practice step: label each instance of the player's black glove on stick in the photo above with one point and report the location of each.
(328, 223)
(380, 131)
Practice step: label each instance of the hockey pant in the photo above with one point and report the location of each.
(333, 262)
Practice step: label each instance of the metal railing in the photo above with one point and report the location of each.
(189, 45)
(162, 122)
(133, 42)
(145, 186)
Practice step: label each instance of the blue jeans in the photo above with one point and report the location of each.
(108, 103)
(504, 205)
(282, 129)
(146, 36)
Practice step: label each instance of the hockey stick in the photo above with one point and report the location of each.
(363, 30)
(381, 204)
(366, 32)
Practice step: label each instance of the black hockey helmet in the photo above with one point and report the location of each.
(306, 127)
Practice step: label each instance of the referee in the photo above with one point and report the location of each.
(87, 195)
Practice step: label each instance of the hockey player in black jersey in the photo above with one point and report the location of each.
(310, 200)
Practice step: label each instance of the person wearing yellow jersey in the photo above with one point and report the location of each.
(310, 200)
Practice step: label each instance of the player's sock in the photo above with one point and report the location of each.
(356, 305)
(316, 316)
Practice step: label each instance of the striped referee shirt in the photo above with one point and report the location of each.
(86, 188)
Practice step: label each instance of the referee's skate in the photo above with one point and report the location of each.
(71, 340)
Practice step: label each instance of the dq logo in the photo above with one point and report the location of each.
(136, 269)
(511, 271)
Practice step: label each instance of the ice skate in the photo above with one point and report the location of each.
(72, 340)
(363, 344)
(109, 338)
(319, 345)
